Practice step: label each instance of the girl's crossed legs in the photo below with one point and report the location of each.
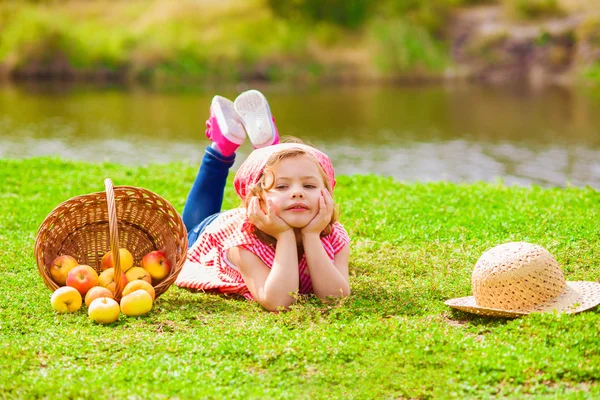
(227, 127)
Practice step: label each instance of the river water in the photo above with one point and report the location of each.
(417, 133)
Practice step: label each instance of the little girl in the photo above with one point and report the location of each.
(285, 238)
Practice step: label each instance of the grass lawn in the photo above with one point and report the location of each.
(413, 246)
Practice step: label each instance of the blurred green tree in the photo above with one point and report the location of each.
(347, 13)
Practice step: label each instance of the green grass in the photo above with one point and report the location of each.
(400, 46)
(414, 246)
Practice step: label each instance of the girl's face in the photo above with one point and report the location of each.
(296, 190)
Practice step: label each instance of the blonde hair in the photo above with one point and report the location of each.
(267, 181)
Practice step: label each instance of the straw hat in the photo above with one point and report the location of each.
(519, 278)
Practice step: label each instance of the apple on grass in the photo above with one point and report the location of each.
(82, 278)
(97, 292)
(66, 299)
(107, 279)
(157, 264)
(60, 267)
(139, 284)
(125, 259)
(136, 303)
(104, 310)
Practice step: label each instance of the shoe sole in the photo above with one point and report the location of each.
(253, 109)
(229, 122)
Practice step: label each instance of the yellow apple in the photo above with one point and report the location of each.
(125, 257)
(97, 292)
(82, 278)
(107, 280)
(66, 299)
(104, 310)
(139, 284)
(138, 273)
(60, 267)
(136, 303)
(157, 264)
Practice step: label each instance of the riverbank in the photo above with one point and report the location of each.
(188, 42)
(413, 246)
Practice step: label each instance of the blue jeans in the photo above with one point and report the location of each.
(205, 199)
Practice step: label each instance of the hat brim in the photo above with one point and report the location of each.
(578, 296)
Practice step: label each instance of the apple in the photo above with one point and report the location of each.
(139, 284)
(104, 310)
(60, 267)
(125, 257)
(107, 279)
(136, 303)
(157, 264)
(66, 299)
(83, 278)
(97, 292)
(138, 273)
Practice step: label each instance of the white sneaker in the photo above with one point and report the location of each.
(254, 111)
(224, 126)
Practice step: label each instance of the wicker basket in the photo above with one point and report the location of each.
(88, 226)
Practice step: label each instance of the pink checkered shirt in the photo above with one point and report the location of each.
(207, 269)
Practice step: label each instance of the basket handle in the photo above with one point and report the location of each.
(114, 235)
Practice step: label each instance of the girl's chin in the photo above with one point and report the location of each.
(298, 223)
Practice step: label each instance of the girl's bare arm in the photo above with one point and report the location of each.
(271, 287)
(329, 278)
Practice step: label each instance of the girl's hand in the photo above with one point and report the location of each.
(267, 222)
(323, 217)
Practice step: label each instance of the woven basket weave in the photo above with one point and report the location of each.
(88, 226)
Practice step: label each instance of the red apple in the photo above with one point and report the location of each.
(157, 264)
(60, 267)
(97, 292)
(104, 310)
(66, 299)
(82, 278)
(125, 257)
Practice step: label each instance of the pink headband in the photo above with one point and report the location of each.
(251, 170)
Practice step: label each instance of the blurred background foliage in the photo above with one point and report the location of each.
(163, 40)
(431, 14)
